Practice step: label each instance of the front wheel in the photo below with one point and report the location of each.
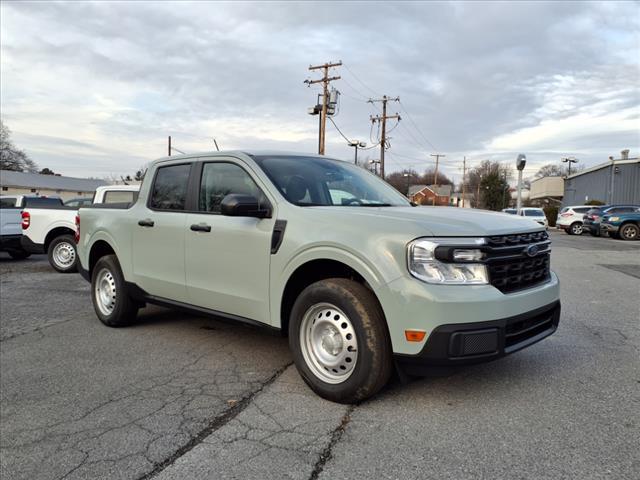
(111, 301)
(62, 254)
(339, 340)
(629, 231)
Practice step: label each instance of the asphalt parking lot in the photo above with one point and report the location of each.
(181, 396)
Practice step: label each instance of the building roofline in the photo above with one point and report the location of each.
(604, 165)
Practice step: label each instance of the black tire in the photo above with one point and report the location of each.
(18, 254)
(373, 365)
(575, 229)
(629, 231)
(62, 254)
(124, 309)
(594, 233)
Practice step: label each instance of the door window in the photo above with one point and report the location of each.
(170, 187)
(219, 179)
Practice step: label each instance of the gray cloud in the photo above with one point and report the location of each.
(478, 78)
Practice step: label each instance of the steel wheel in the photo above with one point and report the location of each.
(64, 254)
(328, 343)
(105, 292)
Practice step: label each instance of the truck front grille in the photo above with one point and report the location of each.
(518, 261)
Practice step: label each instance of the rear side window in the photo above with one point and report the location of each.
(120, 196)
(581, 210)
(565, 209)
(41, 202)
(7, 202)
(219, 179)
(169, 190)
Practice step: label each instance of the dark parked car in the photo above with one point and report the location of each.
(591, 220)
(622, 225)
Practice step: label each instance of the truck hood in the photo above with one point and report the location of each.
(435, 221)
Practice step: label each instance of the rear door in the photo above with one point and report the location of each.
(159, 232)
(228, 258)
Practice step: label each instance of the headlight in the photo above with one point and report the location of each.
(613, 219)
(424, 264)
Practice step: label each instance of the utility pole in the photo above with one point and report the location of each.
(383, 121)
(169, 149)
(325, 80)
(435, 179)
(464, 178)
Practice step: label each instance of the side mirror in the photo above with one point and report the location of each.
(240, 205)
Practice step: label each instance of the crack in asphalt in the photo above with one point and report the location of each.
(216, 423)
(326, 454)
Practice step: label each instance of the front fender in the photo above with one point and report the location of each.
(369, 272)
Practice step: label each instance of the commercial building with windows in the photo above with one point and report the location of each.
(21, 183)
(613, 182)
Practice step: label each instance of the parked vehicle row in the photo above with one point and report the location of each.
(619, 221)
(48, 226)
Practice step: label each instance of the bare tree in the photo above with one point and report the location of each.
(12, 158)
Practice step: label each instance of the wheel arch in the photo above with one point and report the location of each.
(99, 249)
(311, 270)
(55, 233)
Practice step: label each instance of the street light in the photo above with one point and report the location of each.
(569, 160)
(356, 144)
(520, 163)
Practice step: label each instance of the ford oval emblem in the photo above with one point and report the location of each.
(532, 250)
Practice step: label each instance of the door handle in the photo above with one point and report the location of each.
(147, 222)
(200, 227)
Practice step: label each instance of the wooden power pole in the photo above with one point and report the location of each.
(169, 147)
(325, 80)
(435, 178)
(464, 178)
(383, 122)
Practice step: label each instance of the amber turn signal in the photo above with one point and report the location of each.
(414, 335)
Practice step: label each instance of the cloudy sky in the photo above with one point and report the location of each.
(92, 89)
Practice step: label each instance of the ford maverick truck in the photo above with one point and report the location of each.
(361, 281)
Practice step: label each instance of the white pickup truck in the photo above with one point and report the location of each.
(51, 229)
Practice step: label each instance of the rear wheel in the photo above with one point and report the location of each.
(629, 231)
(339, 340)
(62, 254)
(594, 232)
(18, 254)
(575, 229)
(113, 305)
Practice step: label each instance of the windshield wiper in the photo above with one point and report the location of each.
(375, 205)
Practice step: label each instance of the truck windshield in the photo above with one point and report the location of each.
(314, 181)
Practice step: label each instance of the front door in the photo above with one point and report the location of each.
(159, 235)
(227, 258)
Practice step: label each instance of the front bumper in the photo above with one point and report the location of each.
(469, 343)
(609, 227)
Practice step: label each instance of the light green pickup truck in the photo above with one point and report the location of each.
(361, 281)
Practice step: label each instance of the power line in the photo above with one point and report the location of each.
(343, 136)
(361, 82)
(416, 126)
